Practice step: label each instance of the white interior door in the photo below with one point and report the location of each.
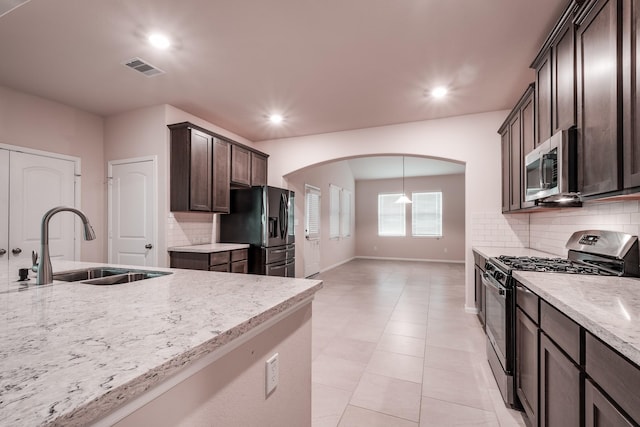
(36, 184)
(132, 212)
(4, 208)
(311, 230)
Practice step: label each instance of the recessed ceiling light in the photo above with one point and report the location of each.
(159, 41)
(439, 92)
(276, 119)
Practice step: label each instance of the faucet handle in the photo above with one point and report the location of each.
(34, 260)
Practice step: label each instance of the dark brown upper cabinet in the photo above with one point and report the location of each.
(517, 136)
(240, 166)
(201, 169)
(220, 176)
(248, 168)
(630, 98)
(190, 170)
(556, 79)
(258, 169)
(598, 41)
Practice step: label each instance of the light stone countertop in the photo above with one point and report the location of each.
(209, 248)
(491, 252)
(608, 307)
(71, 352)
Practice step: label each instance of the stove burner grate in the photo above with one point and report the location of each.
(554, 265)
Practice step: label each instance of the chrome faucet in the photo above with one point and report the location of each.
(45, 272)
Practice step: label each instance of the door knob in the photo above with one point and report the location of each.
(16, 251)
(3, 251)
(148, 246)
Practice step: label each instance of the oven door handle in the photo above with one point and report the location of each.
(490, 282)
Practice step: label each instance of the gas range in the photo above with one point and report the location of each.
(594, 252)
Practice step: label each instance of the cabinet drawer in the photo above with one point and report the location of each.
(221, 267)
(191, 261)
(562, 330)
(239, 255)
(219, 258)
(618, 377)
(528, 302)
(240, 267)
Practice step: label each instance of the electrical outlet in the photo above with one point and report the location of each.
(272, 371)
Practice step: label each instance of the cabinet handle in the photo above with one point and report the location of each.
(3, 251)
(148, 246)
(16, 251)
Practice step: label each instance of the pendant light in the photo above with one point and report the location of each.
(403, 199)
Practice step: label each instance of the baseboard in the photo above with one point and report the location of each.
(411, 259)
(336, 265)
(471, 310)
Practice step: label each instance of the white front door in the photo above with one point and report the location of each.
(36, 184)
(311, 230)
(4, 208)
(132, 212)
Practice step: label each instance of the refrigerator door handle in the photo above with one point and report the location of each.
(281, 214)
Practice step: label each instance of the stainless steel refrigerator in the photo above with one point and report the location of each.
(263, 217)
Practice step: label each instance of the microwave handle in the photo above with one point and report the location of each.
(546, 158)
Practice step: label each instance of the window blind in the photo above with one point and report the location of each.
(426, 214)
(334, 211)
(345, 213)
(391, 215)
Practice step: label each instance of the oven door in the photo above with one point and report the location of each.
(496, 318)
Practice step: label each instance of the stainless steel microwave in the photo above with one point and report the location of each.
(551, 169)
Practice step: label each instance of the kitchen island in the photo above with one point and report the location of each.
(80, 354)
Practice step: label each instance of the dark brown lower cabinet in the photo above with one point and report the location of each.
(559, 387)
(235, 261)
(527, 366)
(599, 411)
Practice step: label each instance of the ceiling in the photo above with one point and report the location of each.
(385, 167)
(326, 65)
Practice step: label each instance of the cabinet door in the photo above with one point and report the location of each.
(597, 85)
(240, 267)
(527, 365)
(506, 171)
(4, 210)
(200, 172)
(221, 173)
(564, 79)
(559, 387)
(631, 99)
(240, 166)
(599, 411)
(543, 100)
(516, 160)
(528, 144)
(258, 169)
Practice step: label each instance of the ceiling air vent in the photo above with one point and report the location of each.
(143, 67)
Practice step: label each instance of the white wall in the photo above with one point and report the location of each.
(37, 123)
(332, 251)
(448, 248)
(471, 139)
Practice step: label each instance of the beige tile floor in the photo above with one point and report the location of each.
(393, 346)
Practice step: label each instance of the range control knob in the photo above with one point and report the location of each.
(499, 275)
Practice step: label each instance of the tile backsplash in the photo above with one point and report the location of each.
(498, 230)
(190, 228)
(549, 230)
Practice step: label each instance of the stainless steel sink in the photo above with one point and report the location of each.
(106, 275)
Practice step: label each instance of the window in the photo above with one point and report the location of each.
(345, 213)
(426, 214)
(391, 215)
(312, 213)
(334, 211)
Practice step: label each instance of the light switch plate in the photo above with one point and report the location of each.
(272, 371)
